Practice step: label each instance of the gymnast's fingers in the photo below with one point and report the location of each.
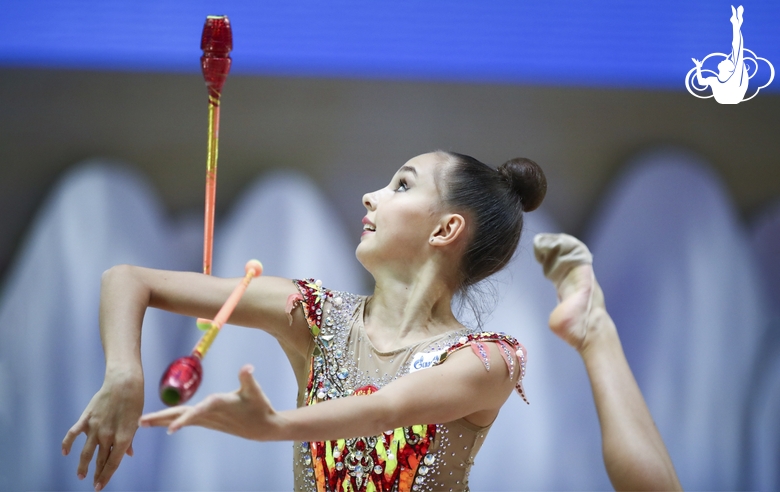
(190, 415)
(198, 414)
(71, 436)
(161, 418)
(86, 456)
(104, 448)
(115, 455)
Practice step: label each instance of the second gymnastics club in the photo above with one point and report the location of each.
(182, 378)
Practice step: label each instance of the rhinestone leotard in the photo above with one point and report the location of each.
(343, 363)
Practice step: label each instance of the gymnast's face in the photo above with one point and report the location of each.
(402, 217)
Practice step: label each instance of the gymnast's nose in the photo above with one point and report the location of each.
(369, 201)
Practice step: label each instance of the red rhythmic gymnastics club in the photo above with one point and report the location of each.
(216, 43)
(183, 376)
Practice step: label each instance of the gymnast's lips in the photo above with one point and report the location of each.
(368, 226)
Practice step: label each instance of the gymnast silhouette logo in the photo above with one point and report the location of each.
(729, 84)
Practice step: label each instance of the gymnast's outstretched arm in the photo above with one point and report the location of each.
(634, 452)
(458, 388)
(110, 420)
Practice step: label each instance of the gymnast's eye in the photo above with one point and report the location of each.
(402, 186)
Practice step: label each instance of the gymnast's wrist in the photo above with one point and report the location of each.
(125, 374)
(281, 427)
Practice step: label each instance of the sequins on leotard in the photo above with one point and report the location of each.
(344, 363)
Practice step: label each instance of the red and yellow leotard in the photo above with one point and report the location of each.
(344, 363)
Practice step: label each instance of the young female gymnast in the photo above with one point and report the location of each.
(445, 222)
(634, 453)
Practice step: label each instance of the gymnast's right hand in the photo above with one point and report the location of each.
(109, 422)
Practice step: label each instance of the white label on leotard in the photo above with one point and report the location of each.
(425, 360)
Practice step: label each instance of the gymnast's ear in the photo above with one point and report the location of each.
(450, 229)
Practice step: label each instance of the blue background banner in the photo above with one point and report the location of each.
(599, 43)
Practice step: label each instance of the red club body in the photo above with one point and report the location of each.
(216, 43)
(181, 380)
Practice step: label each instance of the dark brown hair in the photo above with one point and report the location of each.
(494, 200)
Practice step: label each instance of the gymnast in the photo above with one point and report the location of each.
(731, 84)
(394, 393)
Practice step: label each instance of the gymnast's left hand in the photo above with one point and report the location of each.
(245, 412)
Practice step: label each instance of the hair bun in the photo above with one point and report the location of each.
(527, 179)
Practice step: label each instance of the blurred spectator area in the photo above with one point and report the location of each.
(350, 135)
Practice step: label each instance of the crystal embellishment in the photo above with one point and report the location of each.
(361, 464)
